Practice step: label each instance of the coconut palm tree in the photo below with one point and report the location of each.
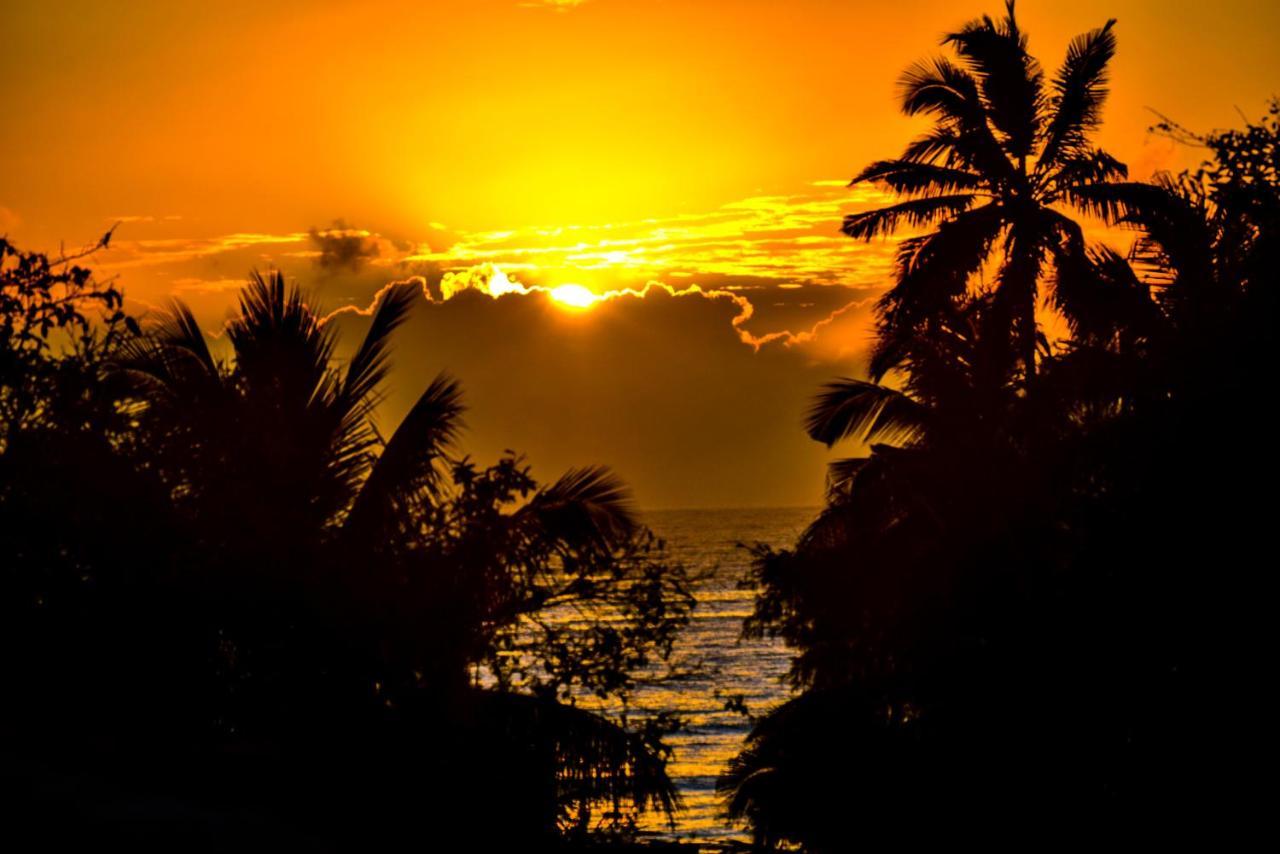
(1007, 149)
(1005, 602)
(278, 444)
(338, 558)
(947, 450)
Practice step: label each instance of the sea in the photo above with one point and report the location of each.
(719, 662)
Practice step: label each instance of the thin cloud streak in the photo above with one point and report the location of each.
(784, 237)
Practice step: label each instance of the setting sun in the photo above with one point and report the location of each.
(574, 296)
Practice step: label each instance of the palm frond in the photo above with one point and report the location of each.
(280, 347)
(369, 365)
(406, 468)
(940, 88)
(932, 270)
(849, 408)
(940, 144)
(912, 178)
(1097, 290)
(180, 329)
(841, 476)
(916, 212)
(1080, 88)
(1011, 80)
(1120, 202)
(586, 509)
(1179, 233)
(172, 362)
(1091, 166)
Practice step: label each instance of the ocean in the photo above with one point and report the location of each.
(724, 665)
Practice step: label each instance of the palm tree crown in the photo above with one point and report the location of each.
(1006, 149)
(281, 439)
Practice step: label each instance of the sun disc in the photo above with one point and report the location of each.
(573, 296)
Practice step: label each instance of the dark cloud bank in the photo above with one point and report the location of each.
(660, 388)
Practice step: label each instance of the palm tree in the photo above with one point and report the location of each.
(1006, 150)
(330, 550)
(1005, 602)
(947, 450)
(279, 444)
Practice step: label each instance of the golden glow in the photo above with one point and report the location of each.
(573, 296)
(613, 111)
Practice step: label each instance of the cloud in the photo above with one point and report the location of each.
(776, 264)
(765, 241)
(491, 281)
(341, 246)
(739, 254)
(656, 384)
(130, 219)
(774, 238)
(175, 251)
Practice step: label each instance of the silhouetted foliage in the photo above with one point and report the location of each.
(1006, 151)
(48, 308)
(288, 611)
(1037, 605)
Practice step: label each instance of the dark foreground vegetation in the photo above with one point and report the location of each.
(1038, 608)
(234, 613)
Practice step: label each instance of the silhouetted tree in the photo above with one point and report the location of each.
(1006, 151)
(55, 317)
(254, 601)
(1027, 604)
(326, 543)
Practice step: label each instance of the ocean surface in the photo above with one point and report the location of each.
(705, 541)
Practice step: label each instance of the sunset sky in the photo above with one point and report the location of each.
(683, 164)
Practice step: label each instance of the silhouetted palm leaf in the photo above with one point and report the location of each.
(1088, 168)
(912, 178)
(179, 329)
(1099, 292)
(849, 408)
(1080, 88)
(841, 475)
(1010, 79)
(369, 365)
(1176, 222)
(917, 212)
(586, 509)
(407, 466)
(932, 271)
(279, 343)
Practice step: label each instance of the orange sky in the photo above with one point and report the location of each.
(607, 143)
